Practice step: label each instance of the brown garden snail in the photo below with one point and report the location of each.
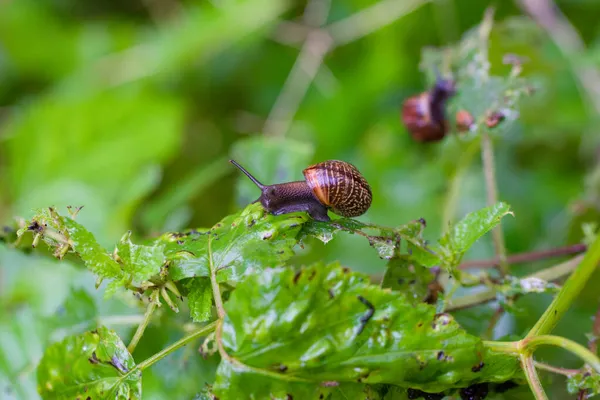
(424, 115)
(333, 184)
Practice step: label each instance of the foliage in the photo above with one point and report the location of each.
(132, 110)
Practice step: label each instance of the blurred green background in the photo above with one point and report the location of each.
(132, 108)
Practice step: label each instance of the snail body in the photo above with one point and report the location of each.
(424, 115)
(333, 184)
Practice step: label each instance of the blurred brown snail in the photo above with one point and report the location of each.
(333, 184)
(424, 115)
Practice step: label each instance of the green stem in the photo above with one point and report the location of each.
(556, 370)
(142, 327)
(530, 344)
(532, 378)
(489, 171)
(572, 287)
(549, 274)
(453, 192)
(178, 344)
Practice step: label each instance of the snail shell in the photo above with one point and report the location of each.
(340, 186)
(424, 115)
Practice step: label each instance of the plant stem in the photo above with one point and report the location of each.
(489, 171)
(556, 370)
(530, 344)
(214, 283)
(180, 343)
(572, 287)
(533, 378)
(142, 327)
(453, 193)
(526, 257)
(549, 274)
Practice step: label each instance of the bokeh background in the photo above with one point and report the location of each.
(133, 107)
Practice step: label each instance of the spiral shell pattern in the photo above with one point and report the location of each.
(340, 186)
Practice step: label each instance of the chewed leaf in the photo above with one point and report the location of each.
(250, 240)
(468, 230)
(142, 262)
(326, 324)
(412, 279)
(93, 365)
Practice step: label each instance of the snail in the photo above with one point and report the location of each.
(424, 115)
(332, 184)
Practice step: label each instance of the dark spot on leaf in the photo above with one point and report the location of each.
(267, 235)
(94, 359)
(330, 383)
(283, 368)
(297, 276)
(281, 252)
(345, 270)
(233, 224)
(420, 324)
(321, 396)
(412, 282)
(505, 386)
(422, 221)
(400, 281)
(251, 223)
(180, 242)
(312, 274)
(367, 316)
(555, 312)
(88, 398)
(416, 394)
(440, 355)
(289, 397)
(586, 374)
(331, 294)
(478, 367)
(478, 391)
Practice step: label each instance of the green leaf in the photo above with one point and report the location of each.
(64, 233)
(141, 262)
(200, 299)
(325, 324)
(584, 381)
(95, 257)
(246, 242)
(410, 278)
(234, 382)
(95, 364)
(468, 230)
(386, 241)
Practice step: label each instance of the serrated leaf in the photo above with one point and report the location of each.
(468, 230)
(200, 299)
(250, 240)
(584, 381)
(141, 262)
(95, 364)
(95, 257)
(325, 324)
